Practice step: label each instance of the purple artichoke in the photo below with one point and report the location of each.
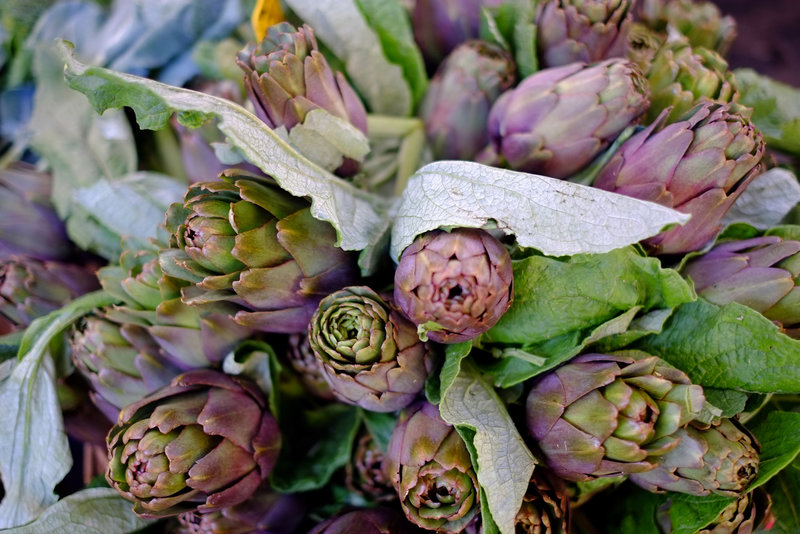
(456, 105)
(699, 165)
(582, 30)
(454, 285)
(365, 474)
(721, 458)
(556, 121)
(203, 443)
(371, 355)
(604, 415)
(761, 273)
(431, 471)
(368, 521)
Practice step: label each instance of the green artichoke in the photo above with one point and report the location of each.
(371, 355)
(545, 508)
(582, 30)
(454, 285)
(701, 22)
(762, 273)
(247, 242)
(613, 412)
(699, 165)
(456, 105)
(367, 521)
(431, 471)
(365, 474)
(556, 121)
(749, 512)
(682, 76)
(721, 458)
(203, 443)
(31, 288)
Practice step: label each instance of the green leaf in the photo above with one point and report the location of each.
(785, 492)
(34, 456)
(553, 216)
(504, 464)
(728, 347)
(256, 360)
(90, 511)
(358, 216)
(689, 513)
(388, 19)
(380, 426)
(345, 30)
(779, 436)
(728, 401)
(767, 200)
(454, 354)
(637, 513)
(776, 109)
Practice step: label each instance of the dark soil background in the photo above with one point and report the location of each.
(769, 37)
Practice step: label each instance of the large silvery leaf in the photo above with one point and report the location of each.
(343, 28)
(358, 216)
(556, 217)
(767, 200)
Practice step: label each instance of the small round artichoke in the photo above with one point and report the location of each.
(431, 471)
(454, 285)
(203, 443)
(545, 508)
(700, 21)
(761, 273)
(371, 355)
(247, 242)
(379, 520)
(556, 121)
(582, 30)
(365, 474)
(612, 410)
(456, 105)
(699, 165)
(721, 458)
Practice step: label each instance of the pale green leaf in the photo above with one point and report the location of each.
(327, 139)
(553, 216)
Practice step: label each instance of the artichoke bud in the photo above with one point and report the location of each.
(720, 458)
(203, 443)
(615, 410)
(701, 22)
(454, 285)
(365, 474)
(643, 44)
(556, 121)
(682, 76)
(456, 105)
(582, 30)
(370, 354)
(431, 471)
(761, 273)
(545, 508)
(703, 163)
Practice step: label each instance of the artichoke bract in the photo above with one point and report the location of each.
(371, 355)
(286, 77)
(699, 165)
(556, 121)
(761, 273)
(721, 458)
(454, 285)
(203, 443)
(31, 288)
(545, 508)
(247, 242)
(681, 76)
(379, 520)
(700, 21)
(431, 471)
(457, 102)
(582, 30)
(611, 411)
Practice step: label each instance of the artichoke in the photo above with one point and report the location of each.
(365, 474)
(203, 443)
(682, 76)
(247, 242)
(721, 458)
(456, 105)
(613, 411)
(31, 288)
(761, 273)
(643, 44)
(556, 121)
(308, 368)
(286, 76)
(431, 471)
(545, 508)
(454, 285)
(582, 30)
(367, 521)
(29, 225)
(371, 355)
(701, 22)
(699, 165)
(749, 512)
